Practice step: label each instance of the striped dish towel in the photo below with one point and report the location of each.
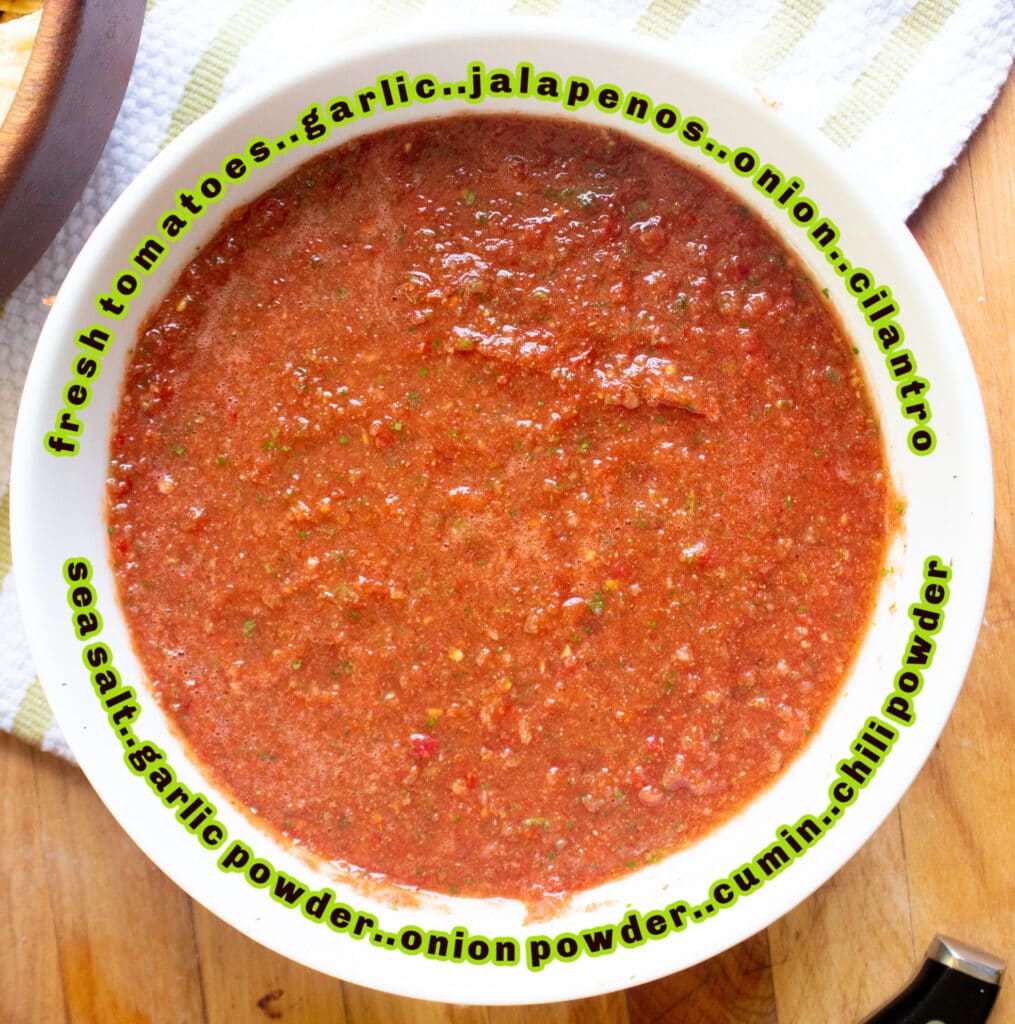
(898, 85)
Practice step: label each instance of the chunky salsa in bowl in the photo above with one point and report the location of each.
(496, 505)
(507, 539)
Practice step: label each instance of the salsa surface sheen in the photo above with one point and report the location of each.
(496, 506)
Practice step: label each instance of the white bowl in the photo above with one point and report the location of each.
(665, 917)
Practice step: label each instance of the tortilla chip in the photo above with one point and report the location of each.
(16, 40)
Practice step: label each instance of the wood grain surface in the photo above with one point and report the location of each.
(92, 932)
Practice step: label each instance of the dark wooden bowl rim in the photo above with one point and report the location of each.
(59, 121)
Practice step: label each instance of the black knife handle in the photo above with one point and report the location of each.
(957, 984)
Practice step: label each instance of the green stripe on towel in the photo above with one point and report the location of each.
(34, 716)
(662, 18)
(879, 81)
(6, 557)
(534, 6)
(781, 35)
(204, 86)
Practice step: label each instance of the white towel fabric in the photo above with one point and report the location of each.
(898, 85)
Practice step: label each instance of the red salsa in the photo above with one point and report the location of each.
(496, 506)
